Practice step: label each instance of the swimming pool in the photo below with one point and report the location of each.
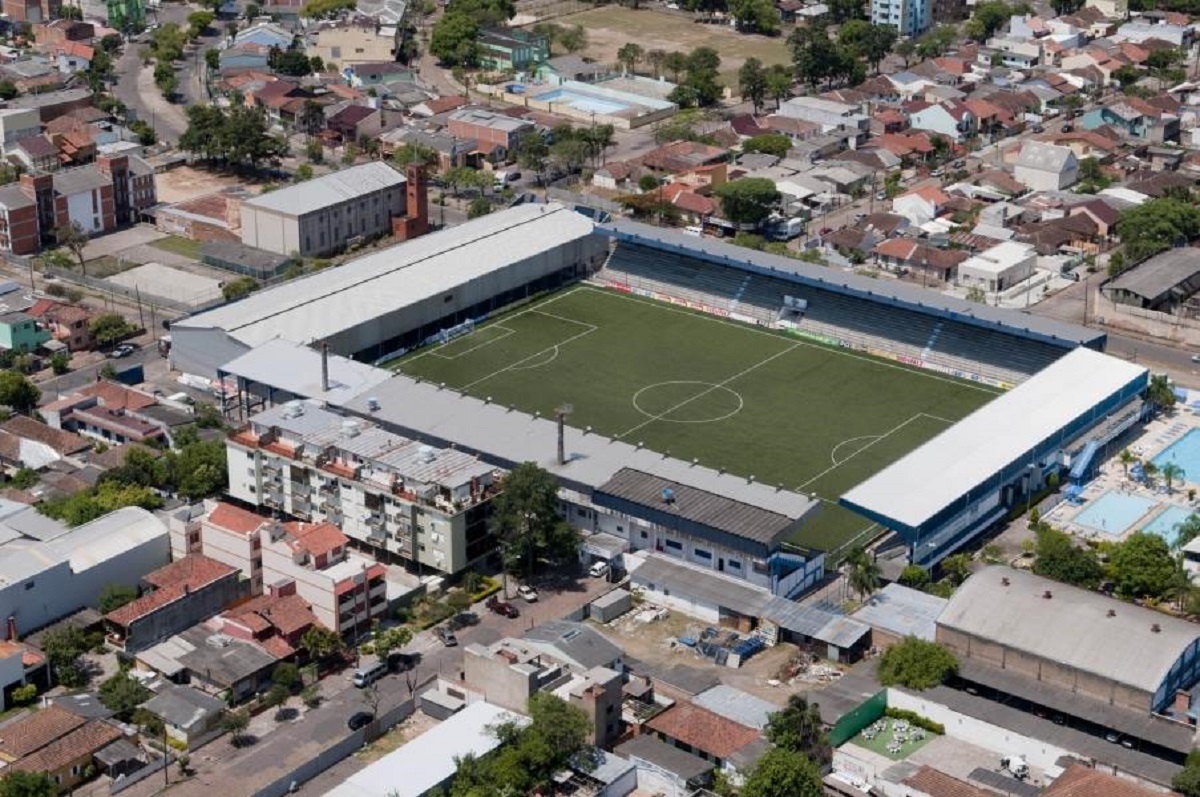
(1164, 525)
(1114, 512)
(1184, 452)
(588, 103)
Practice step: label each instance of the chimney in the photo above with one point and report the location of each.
(324, 367)
(11, 634)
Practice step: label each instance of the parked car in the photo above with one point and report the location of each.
(360, 719)
(462, 620)
(446, 636)
(502, 608)
(122, 351)
(598, 569)
(1196, 358)
(527, 593)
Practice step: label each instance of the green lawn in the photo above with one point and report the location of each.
(751, 401)
(879, 744)
(180, 246)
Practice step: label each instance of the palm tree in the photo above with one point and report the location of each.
(1171, 472)
(1127, 458)
(863, 573)
(1159, 393)
(1151, 470)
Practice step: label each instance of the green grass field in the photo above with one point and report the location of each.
(754, 402)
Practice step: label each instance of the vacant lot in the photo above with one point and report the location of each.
(186, 182)
(611, 27)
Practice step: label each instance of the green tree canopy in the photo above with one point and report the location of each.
(1060, 559)
(525, 517)
(797, 728)
(114, 596)
(917, 664)
(747, 201)
(239, 288)
(776, 144)
(988, 18)
(18, 392)
(1155, 226)
(752, 82)
(783, 773)
(1143, 566)
(16, 783)
(64, 648)
(121, 694)
(108, 328)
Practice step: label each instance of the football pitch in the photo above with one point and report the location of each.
(752, 401)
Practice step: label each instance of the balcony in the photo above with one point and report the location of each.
(302, 489)
(342, 470)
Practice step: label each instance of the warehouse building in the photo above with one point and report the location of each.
(1097, 664)
(383, 302)
(325, 215)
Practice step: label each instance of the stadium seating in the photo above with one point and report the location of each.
(859, 323)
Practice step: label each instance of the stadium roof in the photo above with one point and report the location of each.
(507, 437)
(319, 193)
(330, 301)
(921, 484)
(1072, 627)
(296, 369)
(912, 297)
(1159, 275)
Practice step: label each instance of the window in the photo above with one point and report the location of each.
(674, 545)
(733, 564)
(645, 535)
(29, 585)
(581, 512)
(702, 554)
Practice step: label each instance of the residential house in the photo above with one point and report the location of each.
(565, 68)
(929, 262)
(910, 18)
(20, 332)
(18, 123)
(921, 205)
(29, 443)
(1075, 233)
(356, 41)
(830, 116)
(998, 268)
(512, 49)
(58, 31)
(495, 134)
(439, 105)
(954, 120)
(1135, 118)
(353, 123)
(56, 742)
(451, 151)
(71, 56)
(19, 664)
(274, 621)
(37, 152)
(33, 11)
(346, 591)
(1046, 167)
(378, 74)
(189, 716)
(682, 156)
(53, 104)
(664, 768)
(115, 414)
(243, 57)
(178, 596)
(267, 34)
(211, 660)
(706, 734)
(1139, 30)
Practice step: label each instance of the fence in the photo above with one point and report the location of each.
(588, 200)
(157, 765)
(145, 297)
(853, 722)
(1170, 319)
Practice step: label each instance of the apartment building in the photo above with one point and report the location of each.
(908, 17)
(344, 589)
(399, 499)
(496, 133)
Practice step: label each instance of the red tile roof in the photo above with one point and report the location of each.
(35, 731)
(703, 730)
(61, 441)
(315, 538)
(443, 104)
(1081, 781)
(171, 583)
(691, 202)
(899, 248)
(938, 784)
(235, 519)
(287, 615)
(81, 742)
(114, 396)
(48, 308)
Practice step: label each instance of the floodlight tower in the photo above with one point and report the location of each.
(560, 415)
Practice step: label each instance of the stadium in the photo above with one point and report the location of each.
(846, 407)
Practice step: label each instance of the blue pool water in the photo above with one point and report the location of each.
(583, 102)
(1114, 512)
(1184, 452)
(1164, 525)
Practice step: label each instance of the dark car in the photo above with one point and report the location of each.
(360, 719)
(401, 662)
(462, 620)
(502, 608)
(447, 636)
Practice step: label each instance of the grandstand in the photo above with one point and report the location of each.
(896, 322)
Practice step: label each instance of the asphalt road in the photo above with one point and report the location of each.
(52, 388)
(135, 83)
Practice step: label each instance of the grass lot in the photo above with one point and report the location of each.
(754, 402)
(179, 246)
(880, 743)
(104, 266)
(611, 27)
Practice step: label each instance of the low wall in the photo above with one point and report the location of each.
(157, 765)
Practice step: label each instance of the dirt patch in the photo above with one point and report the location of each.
(397, 737)
(186, 182)
(610, 28)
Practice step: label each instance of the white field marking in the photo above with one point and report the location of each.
(564, 319)
(551, 300)
(741, 402)
(883, 436)
(705, 392)
(808, 344)
(554, 350)
(939, 418)
(522, 361)
(438, 351)
(833, 454)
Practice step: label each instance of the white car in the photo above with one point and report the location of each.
(599, 569)
(1196, 358)
(527, 593)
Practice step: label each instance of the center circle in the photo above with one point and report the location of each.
(687, 401)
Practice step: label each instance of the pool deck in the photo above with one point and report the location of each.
(1156, 437)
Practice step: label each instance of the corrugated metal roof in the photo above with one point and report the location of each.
(712, 510)
(704, 587)
(296, 368)
(921, 484)
(734, 704)
(333, 300)
(1071, 628)
(312, 195)
(903, 611)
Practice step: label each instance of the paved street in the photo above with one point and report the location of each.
(135, 84)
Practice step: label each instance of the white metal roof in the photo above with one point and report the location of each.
(999, 258)
(330, 189)
(921, 484)
(296, 368)
(1071, 627)
(330, 301)
(431, 758)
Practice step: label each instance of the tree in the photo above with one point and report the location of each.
(17, 783)
(239, 288)
(1060, 559)
(779, 83)
(320, 643)
(64, 649)
(976, 294)
(533, 153)
(286, 675)
(843, 10)
(252, 11)
(145, 133)
(394, 638)
(85, 506)
(8, 90)
(121, 694)
(914, 576)
(1063, 7)
(316, 65)
(752, 82)
(797, 728)
(114, 596)
(1160, 393)
(656, 59)
(235, 724)
(108, 328)
(630, 55)
(311, 119)
(676, 63)
(574, 39)
(1143, 567)
(863, 573)
(782, 773)
(275, 698)
(957, 568)
(199, 21)
(479, 206)
(1127, 458)
(526, 519)
(414, 154)
(755, 16)
(776, 144)
(1187, 780)
(916, 663)
(1171, 472)
(987, 19)
(703, 76)
(1155, 226)
(18, 392)
(1187, 530)
(72, 238)
(747, 201)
